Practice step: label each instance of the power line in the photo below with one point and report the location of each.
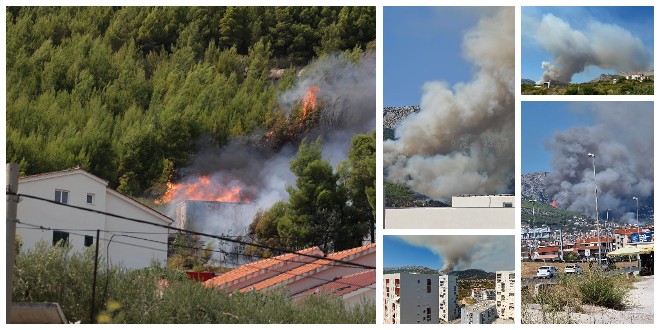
(173, 244)
(325, 281)
(222, 238)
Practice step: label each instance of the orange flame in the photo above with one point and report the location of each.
(309, 101)
(204, 189)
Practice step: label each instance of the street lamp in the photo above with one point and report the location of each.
(531, 230)
(608, 246)
(593, 158)
(638, 237)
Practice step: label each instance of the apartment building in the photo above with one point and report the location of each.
(483, 312)
(448, 298)
(505, 287)
(410, 298)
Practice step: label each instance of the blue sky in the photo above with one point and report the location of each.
(637, 20)
(540, 120)
(488, 252)
(423, 44)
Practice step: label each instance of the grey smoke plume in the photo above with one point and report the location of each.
(462, 139)
(603, 45)
(622, 140)
(489, 253)
(347, 91)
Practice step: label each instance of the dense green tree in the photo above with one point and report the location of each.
(120, 90)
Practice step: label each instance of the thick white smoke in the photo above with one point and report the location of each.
(490, 253)
(462, 139)
(622, 140)
(603, 45)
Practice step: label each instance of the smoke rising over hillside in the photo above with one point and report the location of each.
(462, 139)
(622, 140)
(347, 102)
(490, 253)
(603, 45)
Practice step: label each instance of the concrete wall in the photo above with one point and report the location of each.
(483, 201)
(450, 218)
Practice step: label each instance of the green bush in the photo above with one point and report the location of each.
(160, 295)
(601, 290)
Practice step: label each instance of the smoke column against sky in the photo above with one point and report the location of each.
(462, 139)
(603, 45)
(622, 140)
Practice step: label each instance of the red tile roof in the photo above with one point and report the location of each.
(311, 268)
(343, 285)
(543, 249)
(243, 272)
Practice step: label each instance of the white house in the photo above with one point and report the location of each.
(129, 244)
(410, 298)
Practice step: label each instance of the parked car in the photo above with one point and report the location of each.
(573, 269)
(546, 271)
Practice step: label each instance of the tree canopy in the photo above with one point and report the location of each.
(125, 92)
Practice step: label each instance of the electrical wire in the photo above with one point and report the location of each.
(222, 238)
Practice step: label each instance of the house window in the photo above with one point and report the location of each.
(60, 236)
(89, 240)
(428, 286)
(62, 196)
(90, 199)
(508, 204)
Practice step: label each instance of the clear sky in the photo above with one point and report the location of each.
(637, 20)
(488, 252)
(540, 120)
(423, 44)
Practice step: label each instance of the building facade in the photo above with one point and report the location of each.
(467, 212)
(448, 298)
(128, 243)
(505, 288)
(482, 312)
(410, 298)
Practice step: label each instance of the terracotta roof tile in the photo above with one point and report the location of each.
(255, 267)
(314, 266)
(343, 285)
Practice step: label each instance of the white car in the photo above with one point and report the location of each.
(573, 269)
(546, 272)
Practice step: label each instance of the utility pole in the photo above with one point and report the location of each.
(12, 206)
(96, 268)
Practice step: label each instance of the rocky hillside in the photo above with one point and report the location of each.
(533, 186)
(392, 116)
(467, 274)
(409, 270)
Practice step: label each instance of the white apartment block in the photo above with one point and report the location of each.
(448, 298)
(505, 286)
(482, 312)
(488, 294)
(410, 298)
